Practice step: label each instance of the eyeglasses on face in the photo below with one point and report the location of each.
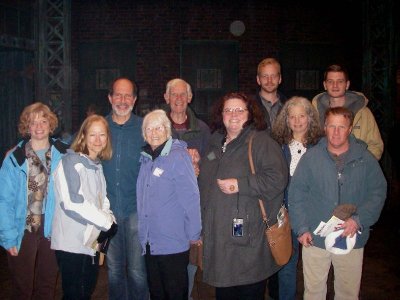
(157, 129)
(238, 110)
(120, 96)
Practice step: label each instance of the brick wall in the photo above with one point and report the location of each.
(157, 27)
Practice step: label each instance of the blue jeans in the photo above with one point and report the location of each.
(287, 275)
(127, 278)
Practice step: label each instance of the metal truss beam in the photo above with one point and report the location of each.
(379, 65)
(53, 37)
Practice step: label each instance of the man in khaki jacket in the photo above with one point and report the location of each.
(336, 84)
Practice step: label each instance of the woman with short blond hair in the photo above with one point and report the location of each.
(27, 204)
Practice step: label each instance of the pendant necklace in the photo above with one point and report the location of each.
(224, 145)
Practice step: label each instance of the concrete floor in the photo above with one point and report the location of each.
(381, 272)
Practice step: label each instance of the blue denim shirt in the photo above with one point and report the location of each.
(121, 171)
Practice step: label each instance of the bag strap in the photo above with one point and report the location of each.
(253, 171)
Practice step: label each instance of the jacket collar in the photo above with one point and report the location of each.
(356, 148)
(162, 150)
(19, 152)
(193, 122)
(128, 123)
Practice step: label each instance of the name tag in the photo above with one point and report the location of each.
(211, 156)
(157, 172)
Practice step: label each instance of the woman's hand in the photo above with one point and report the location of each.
(228, 186)
(13, 251)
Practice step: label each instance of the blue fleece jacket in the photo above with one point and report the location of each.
(13, 194)
(168, 200)
(316, 188)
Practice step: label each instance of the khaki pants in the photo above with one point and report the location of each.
(347, 270)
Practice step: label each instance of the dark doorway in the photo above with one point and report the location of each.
(211, 68)
(303, 67)
(99, 64)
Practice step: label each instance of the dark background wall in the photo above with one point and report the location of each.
(154, 41)
(304, 35)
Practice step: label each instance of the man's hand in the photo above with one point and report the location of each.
(306, 239)
(194, 154)
(350, 227)
(197, 243)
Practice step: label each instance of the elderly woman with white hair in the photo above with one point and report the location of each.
(168, 208)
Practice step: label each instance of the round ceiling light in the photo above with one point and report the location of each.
(237, 28)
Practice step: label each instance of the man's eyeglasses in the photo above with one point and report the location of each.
(157, 129)
(120, 96)
(238, 110)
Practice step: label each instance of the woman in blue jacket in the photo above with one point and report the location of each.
(27, 204)
(296, 129)
(168, 208)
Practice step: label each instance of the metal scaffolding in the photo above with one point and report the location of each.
(380, 60)
(53, 38)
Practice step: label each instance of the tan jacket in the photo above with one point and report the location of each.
(364, 125)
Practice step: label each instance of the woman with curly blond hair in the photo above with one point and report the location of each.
(296, 129)
(27, 204)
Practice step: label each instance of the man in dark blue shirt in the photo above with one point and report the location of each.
(126, 268)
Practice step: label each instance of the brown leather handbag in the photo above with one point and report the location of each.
(279, 235)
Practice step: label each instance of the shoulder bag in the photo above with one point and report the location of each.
(279, 235)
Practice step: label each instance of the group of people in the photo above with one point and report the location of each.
(150, 188)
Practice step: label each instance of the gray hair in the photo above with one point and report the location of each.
(156, 117)
(173, 82)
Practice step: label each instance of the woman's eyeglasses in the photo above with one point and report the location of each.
(238, 110)
(157, 129)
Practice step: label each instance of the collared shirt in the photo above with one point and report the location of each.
(197, 133)
(273, 109)
(122, 170)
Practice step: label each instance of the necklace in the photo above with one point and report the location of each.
(227, 139)
(224, 146)
(297, 147)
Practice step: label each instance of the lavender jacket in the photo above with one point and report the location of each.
(168, 200)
